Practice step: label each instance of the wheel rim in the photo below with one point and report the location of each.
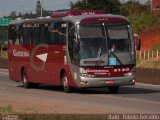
(65, 82)
(25, 83)
(24, 79)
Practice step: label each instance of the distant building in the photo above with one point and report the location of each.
(155, 7)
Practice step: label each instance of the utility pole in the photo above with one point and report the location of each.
(86, 4)
(41, 9)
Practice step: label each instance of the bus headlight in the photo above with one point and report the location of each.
(133, 72)
(87, 75)
(129, 74)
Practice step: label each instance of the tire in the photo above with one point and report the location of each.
(34, 85)
(113, 89)
(66, 87)
(26, 84)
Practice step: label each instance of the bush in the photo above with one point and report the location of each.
(142, 22)
(156, 47)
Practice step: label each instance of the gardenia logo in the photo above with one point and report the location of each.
(20, 53)
(97, 71)
(42, 57)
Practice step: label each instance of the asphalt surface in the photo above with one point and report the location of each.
(141, 98)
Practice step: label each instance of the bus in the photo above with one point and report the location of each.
(73, 49)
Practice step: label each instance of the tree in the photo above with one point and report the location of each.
(110, 6)
(147, 6)
(131, 7)
(13, 14)
(19, 14)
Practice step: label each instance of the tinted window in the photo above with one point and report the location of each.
(36, 34)
(91, 31)
(26, 35)
(58, 33)
(44, 33)
(73, 44)
(12, 34)
(118, 37)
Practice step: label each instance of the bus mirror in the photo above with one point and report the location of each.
(74, 36)
(137, 42)
(4, 46)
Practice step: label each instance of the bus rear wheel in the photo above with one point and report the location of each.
(26, 84)
(113, 89)
(66, 87)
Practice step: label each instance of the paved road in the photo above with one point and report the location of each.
(140, 98)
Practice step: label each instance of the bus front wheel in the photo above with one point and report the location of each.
(66, 87)
(26, 84)
(113, 89)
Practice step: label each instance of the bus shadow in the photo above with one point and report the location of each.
(45, 87)
(132, 90)
(122, 90)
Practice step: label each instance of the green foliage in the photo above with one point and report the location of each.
(132, 7)
(156, 47)
(4, 54)
(138, 14)
(110, 6)
(6, 109)
(149, 64)
(3, 35)
(142, 21)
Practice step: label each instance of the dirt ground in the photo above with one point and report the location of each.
(149, 76)
(3, 63)
(32, 105)
(150, 38)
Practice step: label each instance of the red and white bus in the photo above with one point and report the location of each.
(73, 49)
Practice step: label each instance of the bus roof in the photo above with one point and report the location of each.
(14, 22)
(76, 13)
(106, 18)
(77, 16)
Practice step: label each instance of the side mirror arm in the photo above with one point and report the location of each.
(138, 42)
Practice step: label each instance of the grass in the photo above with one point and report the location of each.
(30, 114)
(3, 63)
(149, 64)
(156, 47)
(9, 110)
(6, 109)
(142, 22)
(4, 54)
(60, 117)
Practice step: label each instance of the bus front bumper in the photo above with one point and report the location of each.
(104, 82)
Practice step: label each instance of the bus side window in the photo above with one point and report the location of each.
(31, 34)
(36, 35)
(73, 44)
(26, 35)
(18, 35)
(52, 34)
(12, 34)
(44, 33)
(60, 28)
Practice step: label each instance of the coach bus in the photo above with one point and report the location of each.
(73, 49)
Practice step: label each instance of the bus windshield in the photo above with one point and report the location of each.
(102, 44)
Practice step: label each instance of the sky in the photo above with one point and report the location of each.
(7, 6)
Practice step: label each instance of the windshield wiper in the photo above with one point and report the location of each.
(99, 52)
